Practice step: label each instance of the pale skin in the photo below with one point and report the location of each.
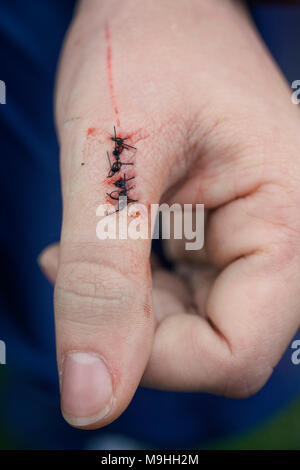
(216, 126)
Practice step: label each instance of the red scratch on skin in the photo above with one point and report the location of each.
(115, 106)
(91, 131)
(110, 75)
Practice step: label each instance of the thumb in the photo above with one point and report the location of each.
(104, 324)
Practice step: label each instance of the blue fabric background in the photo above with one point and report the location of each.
(31, 33)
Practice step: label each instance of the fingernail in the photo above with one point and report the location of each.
(86, 388)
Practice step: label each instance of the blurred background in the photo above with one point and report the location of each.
(31, 35)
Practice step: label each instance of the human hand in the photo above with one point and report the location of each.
(213, 123)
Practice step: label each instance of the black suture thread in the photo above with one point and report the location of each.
(123, 189)
(120, 143)
(121, 183)
(116, 166)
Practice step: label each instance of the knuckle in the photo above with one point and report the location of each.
(279, 211)
(246, 374)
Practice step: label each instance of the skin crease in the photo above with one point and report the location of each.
(214, 124)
